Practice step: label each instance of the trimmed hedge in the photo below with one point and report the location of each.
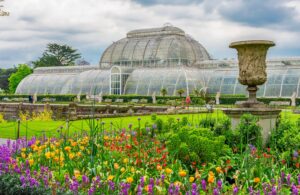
(224, 99)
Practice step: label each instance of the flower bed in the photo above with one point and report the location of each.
(138, 162)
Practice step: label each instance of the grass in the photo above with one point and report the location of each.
(37, 128)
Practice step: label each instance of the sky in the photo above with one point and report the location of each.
(92, 25)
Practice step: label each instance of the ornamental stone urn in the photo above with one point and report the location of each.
(252, 66)
(252, 72)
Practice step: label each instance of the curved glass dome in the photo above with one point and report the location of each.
(156, 47)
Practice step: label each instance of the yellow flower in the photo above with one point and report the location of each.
(79, 154)
(177, 183)
(110, 177)
(219, 169)
(106, 137)
(146, 188)
(52, 154)
(23, 149)
(182, 173)
(132, 169)
(192, 179)
(116, 165)
(256, 180)
(68, 148)
(168, 170)
(81, 148)
(105, 163)
(76, 173)
(71, 156)
(31, 161)
(122, 169)
(48, 155)
(125, 161)
(23, 155)
(129, 179)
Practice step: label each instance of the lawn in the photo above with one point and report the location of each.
(50, 128)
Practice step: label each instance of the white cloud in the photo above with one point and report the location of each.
(92, 25)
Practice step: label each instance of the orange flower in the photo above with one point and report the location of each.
(211, 177)
(182, 173)
(129, 179)
(219, 169)
(159, 168)
(74, 144)
(68, 148)
(116, 165)
(256, 180)
(48, 155)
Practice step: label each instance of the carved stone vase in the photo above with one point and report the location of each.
(252, 66)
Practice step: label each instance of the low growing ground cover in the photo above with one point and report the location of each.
(169, 157)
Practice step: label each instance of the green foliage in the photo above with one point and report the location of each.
(4, 75)
(250, 131)
(159, 124)
(163, 92)
(15, 78)
(153, 116)
(57, 55)
(180, 92)
(286, 136)
(195, 144)
(10, 184)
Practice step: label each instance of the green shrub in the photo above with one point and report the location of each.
(249, 130)
(199, 143)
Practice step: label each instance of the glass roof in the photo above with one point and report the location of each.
(282, 82)
(156, 47)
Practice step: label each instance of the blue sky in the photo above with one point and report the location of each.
(92, 25)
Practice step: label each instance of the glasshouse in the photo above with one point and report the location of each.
(148, 60)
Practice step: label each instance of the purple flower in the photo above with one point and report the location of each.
(295, 154)
(294, 190)
(163, 178)
(282, 177)
(219, 184)
(299, 179)
(85, 179)
(154, 126)
(274, 191)
(142, 181)
(216, 191)
(91, 191)
(147, 129)
(235, 190)
(111, 185)
(288, 179)
(203, 184)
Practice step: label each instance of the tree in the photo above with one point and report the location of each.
(163, 92)
(58, 55)
(4, 75)
(15, 78)
(180, 92)
(196, 92)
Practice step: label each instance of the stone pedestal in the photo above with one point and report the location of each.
(267, 118)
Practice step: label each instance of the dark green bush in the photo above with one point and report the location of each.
(249, 130)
